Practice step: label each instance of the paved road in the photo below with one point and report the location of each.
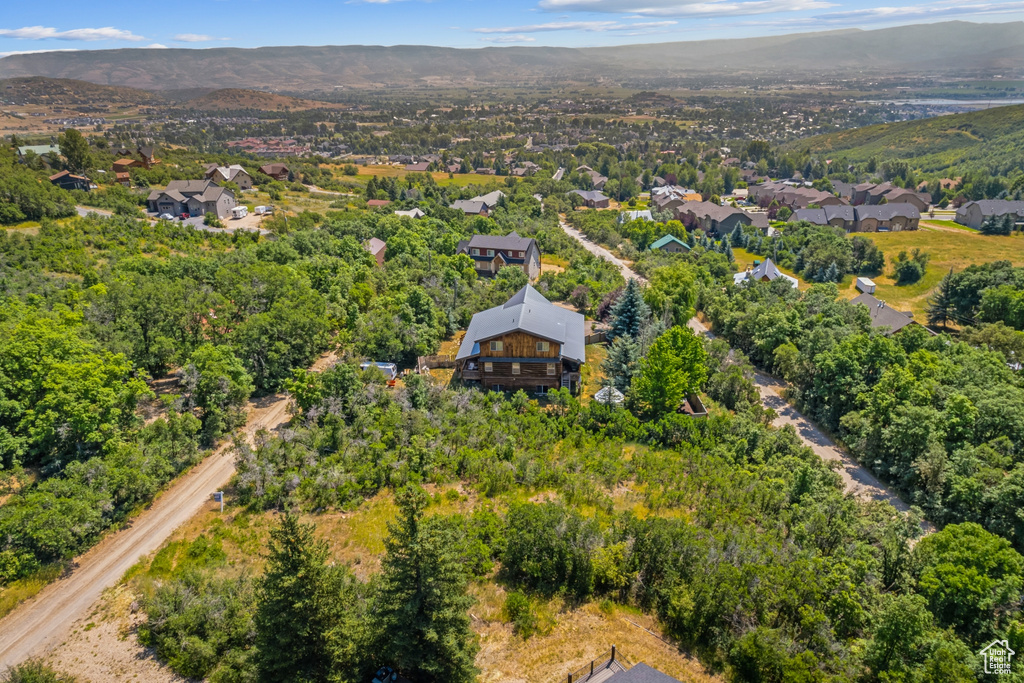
(40, 623)
(601, 252)
(858, 479)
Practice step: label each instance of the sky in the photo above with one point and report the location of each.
(105, 24)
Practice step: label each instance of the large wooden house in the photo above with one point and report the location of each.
(526, 343)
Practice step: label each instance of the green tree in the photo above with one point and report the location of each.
(629, 313)
(675, 365)
(216, 382)
(75, 149)
(940, 309)
(420, 608)
(305, 626)
(622, 361)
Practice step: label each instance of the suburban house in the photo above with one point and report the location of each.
(792, 196)
(671, 244)
(46, 151)
(490, 199)
(973, 214)
(122, 165)
(418, 168)
(526, 343)
(866, 218)
(123, 178)
(598, 179)
(229, 174)
(670, 197)
(148, 156)
(766, 271)
(470, 207)
(920, 200)
(873, 194)
(194, 197)
(66, 180)
(882, 315)
(490, 253)
(718, 220)
(275, 171)
(411, 213)
(593, 199)
(377, 248)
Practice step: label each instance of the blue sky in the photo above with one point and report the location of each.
(101, 24)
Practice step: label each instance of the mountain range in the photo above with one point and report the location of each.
(948, 47)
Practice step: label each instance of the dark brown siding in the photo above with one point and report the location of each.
(519, 345)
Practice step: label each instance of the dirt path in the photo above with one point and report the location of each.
(858, 479)
(40, 623)
(600, 252)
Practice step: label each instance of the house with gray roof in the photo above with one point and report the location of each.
(491, 253)
(490, 199)
(883, 315)
(194, 197)
(864, 218)
(593, 199)
(765, 271)
(229, 174)
(470, 207)
(973, 214)
(525, 343)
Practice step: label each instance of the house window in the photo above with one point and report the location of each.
(542, 347)
(515, 368)
(488, 367)
(476, 252)
(490, 252)
(541, 389)
(497, 346)
(495, 387)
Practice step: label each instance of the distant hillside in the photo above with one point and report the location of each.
(991, 138)
(39, 90)
(933, 48)
(234, 99)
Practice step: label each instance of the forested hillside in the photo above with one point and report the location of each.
(991, 139)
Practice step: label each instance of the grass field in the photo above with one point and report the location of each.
(459, 179)
(935, 222)
(948, 249)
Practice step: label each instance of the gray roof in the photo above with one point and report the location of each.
(180, 190)
(825, 214)
(527, 311)
(490, 199)
(641, 673)
(882, 315)
(509, 242)
(374, 245)
(885, 212)
(468, 206)
(997, 207)
(590, 195)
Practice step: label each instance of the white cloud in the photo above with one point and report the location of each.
(34, 52)
(674, 8)
(156, 46)
(87, 34)
(595, 26)
(196, 38)
(509, 39)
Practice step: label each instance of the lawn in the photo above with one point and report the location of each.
(441, 178)
(927, 222)
(948, 249)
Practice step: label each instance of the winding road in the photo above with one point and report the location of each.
(41, 622)
(859, 481)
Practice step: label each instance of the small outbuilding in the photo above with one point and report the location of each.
(865, 285)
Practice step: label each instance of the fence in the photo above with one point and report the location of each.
(431, 362)
(608, 660)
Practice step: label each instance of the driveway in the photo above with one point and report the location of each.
(600, 252)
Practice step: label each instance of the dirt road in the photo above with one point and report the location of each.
(858, 479)
(40, 623)
(600, 252)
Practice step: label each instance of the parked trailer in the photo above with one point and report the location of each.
(865, 285)
(390, 370)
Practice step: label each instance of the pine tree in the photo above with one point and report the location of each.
(728, 252)
(940, 308)
(621, 363)
(736, 236)
(832, 273)
(690, 240)
(630, 313)
(303, 613)
(371, 188)
(421, 606)
(1008, 224)
(799, 265)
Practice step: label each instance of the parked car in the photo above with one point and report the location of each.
(166, 217)
(184, 217)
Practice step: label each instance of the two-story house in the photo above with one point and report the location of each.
(194, 197)
(229, 174)
(491, 253)
(526, 343)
